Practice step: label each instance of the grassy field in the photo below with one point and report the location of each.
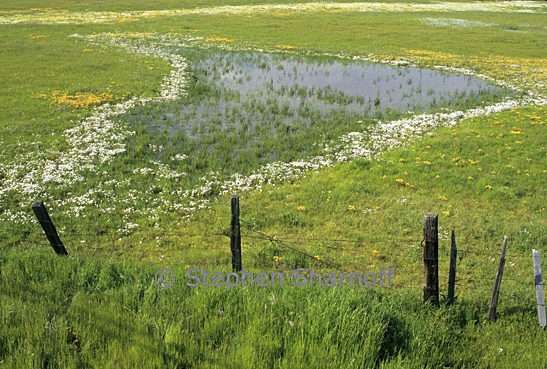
(83, 93)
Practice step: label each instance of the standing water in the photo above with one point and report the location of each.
(245, 109)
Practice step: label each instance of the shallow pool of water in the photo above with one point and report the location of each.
(250, 87)
(245, 109)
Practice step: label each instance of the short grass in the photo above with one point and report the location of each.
(100, 307)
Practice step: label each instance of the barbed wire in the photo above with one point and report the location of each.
(289, 243)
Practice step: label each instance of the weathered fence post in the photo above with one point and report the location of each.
(497, 283)
(431, 259)
(452, 273)
(48, 227)
(540, 297)
(235, 235)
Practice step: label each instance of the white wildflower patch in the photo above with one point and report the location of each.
(455, 23)
(93, 142)
(179, 157)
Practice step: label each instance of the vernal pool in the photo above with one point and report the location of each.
(244, 109)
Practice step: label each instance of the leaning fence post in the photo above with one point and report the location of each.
(48, 227)
(431, 259)
(540, 297)
(497, 283)
(452, 273)
(235, 235)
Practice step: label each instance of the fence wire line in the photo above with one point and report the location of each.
(359, 243)
(445, 252)
(283, 242)
(290, 244)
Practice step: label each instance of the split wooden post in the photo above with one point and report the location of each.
(235, 235)
(431, 259)
(497, 283)
(452, 273)
(540, 297)
(48, 227)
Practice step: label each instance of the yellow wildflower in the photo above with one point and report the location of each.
(284, 47)
(219, 39)
(80, 99)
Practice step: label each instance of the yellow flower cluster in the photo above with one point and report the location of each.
(402, 182)
(301, 208)
(528, 71)
(219, 39)
(376, 255)
(284, 47)
(81, 100)
(535, 120)
(119, 35)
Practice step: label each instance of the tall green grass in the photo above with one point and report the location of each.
(63, 312)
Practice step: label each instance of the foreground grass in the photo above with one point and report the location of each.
(77, 313)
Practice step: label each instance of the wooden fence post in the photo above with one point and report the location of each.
(48, 227)
(235, 235)
(431, 259)
(497, 283)
(452, 273)
(540, 297)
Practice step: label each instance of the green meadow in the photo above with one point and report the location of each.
(135, 122)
